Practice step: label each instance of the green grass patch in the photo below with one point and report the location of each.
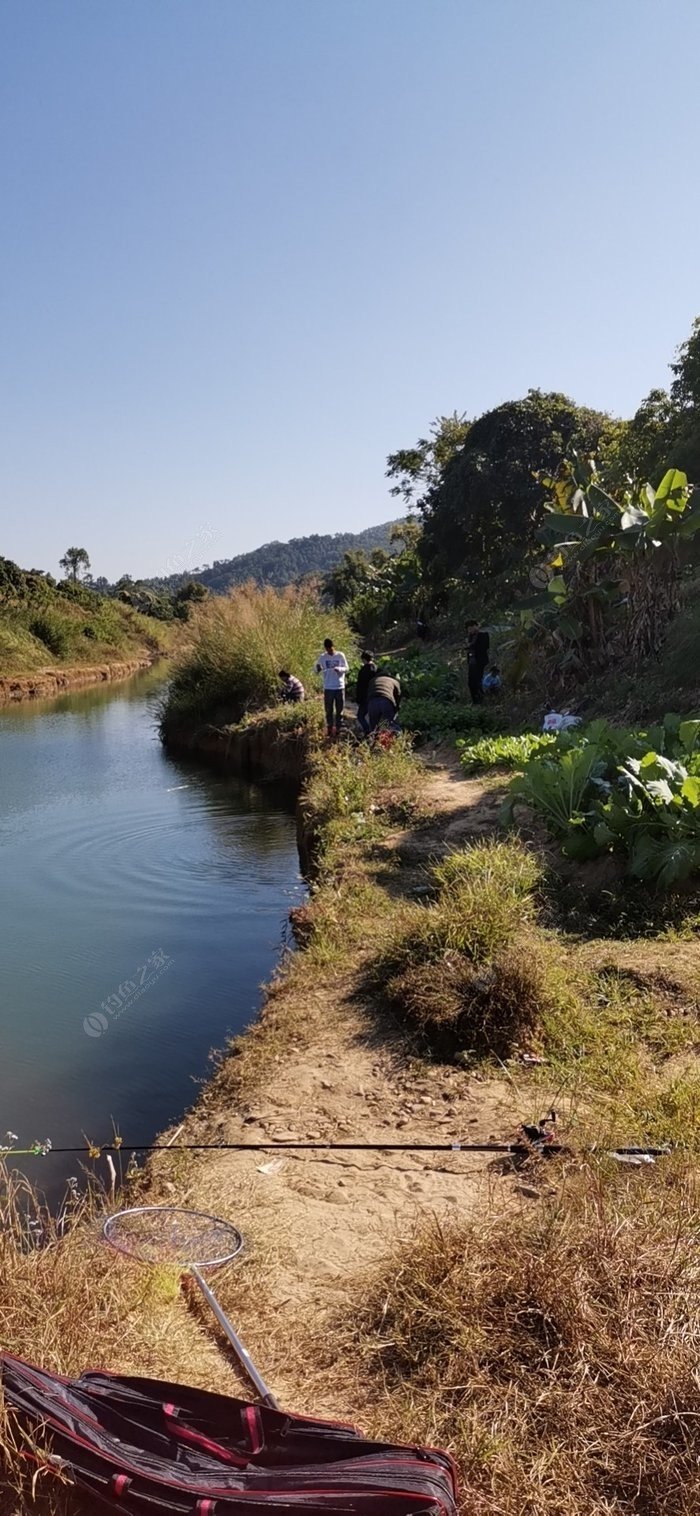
(608, 1048)
(469, 971)
(63, 630)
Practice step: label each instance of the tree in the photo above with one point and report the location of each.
(75, 562)
(348, 577)
(637, 450)
(188, 595)
(684, 450)
(685, 389)
(420, 468)
(482, 512)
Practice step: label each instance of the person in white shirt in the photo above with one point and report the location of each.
(334, 666)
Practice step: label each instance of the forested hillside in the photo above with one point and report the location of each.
(280, 563)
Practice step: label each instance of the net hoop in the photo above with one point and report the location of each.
(121, 1245)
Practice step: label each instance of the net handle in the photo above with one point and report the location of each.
(240, 1351)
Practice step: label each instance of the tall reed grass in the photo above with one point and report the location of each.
(238, 644)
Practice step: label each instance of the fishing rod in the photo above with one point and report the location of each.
(529, 1145)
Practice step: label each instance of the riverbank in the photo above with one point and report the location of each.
(47, 682)
(437, 1296)
(440, 1296)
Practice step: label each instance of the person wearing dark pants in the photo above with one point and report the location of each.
(333, 701)
(334, 666)
(383, 700)
(368, 669)
(478, 642)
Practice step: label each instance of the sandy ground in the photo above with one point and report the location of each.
(315, 1221)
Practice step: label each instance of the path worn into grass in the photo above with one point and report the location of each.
(314, 1221)
(331, 1068)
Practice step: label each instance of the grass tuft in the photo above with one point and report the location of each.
(469, 971)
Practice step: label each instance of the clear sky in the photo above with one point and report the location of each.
(249, 247)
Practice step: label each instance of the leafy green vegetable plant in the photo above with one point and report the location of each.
(502, 751)
(603, 789)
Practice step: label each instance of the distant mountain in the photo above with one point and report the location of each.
(280, 563)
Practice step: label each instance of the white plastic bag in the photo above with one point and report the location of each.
(559, 721)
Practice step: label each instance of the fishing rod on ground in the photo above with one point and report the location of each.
(536, 1139)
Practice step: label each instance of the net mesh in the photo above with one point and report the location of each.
(163, 1234)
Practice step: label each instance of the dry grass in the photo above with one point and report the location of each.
(554, 1351)
(69, 1303)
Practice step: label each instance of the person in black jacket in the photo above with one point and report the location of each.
(368, 669)
(383, 700)
(478, 642)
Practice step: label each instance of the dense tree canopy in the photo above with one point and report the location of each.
(637, 450)
(684, 450)
(481, 515)
(281, 563)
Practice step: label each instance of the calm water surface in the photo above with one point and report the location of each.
(142, 902)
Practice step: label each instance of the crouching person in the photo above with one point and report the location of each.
(292, 688)
(383, 700)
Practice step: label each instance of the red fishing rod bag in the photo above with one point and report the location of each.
(145, 1446)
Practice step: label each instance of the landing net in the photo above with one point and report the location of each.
(166, 1235)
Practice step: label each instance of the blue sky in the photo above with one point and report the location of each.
(251, 246)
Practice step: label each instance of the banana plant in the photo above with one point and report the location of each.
(608, 555)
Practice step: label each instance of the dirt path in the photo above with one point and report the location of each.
(314, 1220)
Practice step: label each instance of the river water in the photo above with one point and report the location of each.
(142, 902)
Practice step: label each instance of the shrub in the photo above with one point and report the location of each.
(238, 644)
(469, 971)
(53, 631)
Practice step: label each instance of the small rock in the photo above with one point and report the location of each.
(326, 1084)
